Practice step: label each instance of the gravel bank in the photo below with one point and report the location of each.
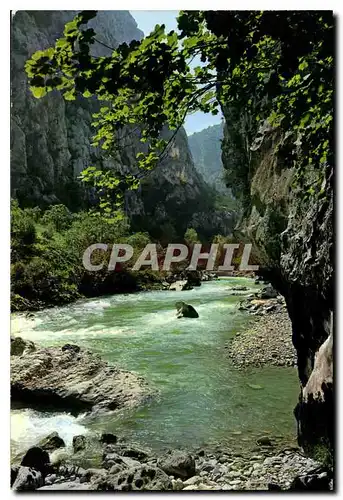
(267, 342)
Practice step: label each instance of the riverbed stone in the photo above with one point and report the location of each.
(92, 474)
(66, 486)
(177, 484)
(141, 478)
(192, 480)
(50, 479)
(178, 464)
(37, 458)
(264, 441)
(108, 438)
(79, 443)
(28, 479)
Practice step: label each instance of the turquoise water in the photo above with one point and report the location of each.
(202, 400)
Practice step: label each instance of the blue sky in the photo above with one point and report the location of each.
(147, 20)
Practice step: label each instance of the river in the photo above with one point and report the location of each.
(203, 399)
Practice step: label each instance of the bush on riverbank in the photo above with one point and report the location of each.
(47, 250)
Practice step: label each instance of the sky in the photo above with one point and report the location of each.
(147, 20)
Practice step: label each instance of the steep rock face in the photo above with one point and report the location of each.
(50, 137)
(205, 147)
(292, 235)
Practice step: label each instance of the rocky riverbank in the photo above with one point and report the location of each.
(127, 467)
(71, 379)
(269, 339)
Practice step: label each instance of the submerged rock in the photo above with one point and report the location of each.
(75, 381)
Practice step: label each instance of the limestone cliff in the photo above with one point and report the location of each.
(205, 147)
(292, 234)
(50, 137)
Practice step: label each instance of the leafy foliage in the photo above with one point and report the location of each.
(58, 216)
(47, 251)
(265, 65)
(191, 236)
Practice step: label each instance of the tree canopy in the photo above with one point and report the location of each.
(275, 65)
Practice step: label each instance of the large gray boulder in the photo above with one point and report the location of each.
(141, 478)
(74, 380)
(27, 479)
(178, 464)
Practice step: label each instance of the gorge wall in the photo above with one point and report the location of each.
(291, 230)
(51, 141)
(205, 147)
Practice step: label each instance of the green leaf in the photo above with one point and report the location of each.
(38, 92)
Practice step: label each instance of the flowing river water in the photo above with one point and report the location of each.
(203, 399)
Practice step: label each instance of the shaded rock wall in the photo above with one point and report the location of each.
(292, 235)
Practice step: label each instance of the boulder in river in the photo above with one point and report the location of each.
(184, 310)
(61, 378)
(51, 442)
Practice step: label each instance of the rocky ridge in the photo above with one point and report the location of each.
(72, 379)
